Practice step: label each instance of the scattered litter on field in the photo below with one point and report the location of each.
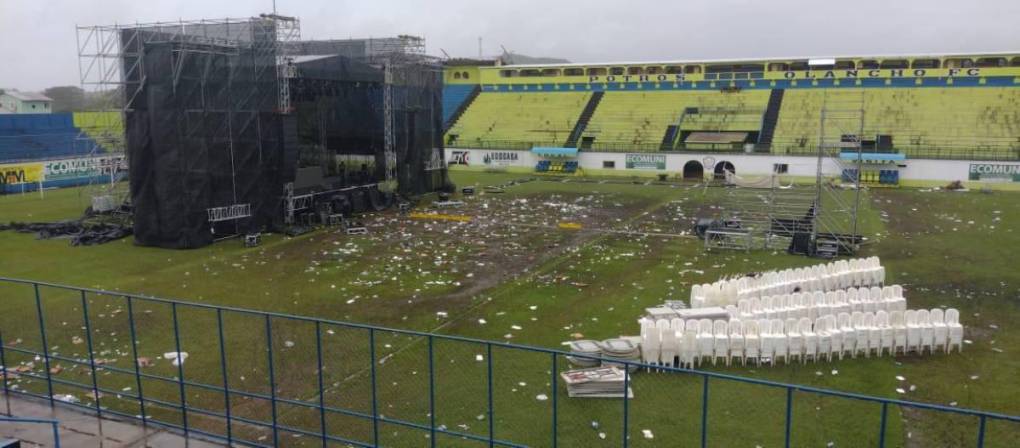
(176, 358)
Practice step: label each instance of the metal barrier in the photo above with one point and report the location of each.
(942, 151)
(256, 377)
(35, 421)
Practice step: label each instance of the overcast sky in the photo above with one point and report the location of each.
(37, 37)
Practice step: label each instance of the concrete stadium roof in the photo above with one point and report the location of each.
(762, 60)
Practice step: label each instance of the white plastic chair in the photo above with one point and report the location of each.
(677, 324)
(864, 334)
(940, 330)
(899, 328)
(669, 347)
(650, 345)
(752, 341)
(706, 342)
(810, 340)
(886, 333)
(927, 331)
(794, 341)
(955, 330)
(864, 294)
(854, 300)
(824, 335)
(913, 331)
(689, 347)
(720, 341)
(736, 337)
(780, 344)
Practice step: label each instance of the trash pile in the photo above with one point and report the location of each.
(597, 382)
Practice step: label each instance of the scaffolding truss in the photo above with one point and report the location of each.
(111, 67)
(825, 212)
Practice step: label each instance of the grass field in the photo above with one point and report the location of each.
(512, 275)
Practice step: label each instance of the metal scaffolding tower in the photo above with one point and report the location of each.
(111, 65)
(769, 215)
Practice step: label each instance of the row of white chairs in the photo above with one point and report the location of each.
(693, 342)
(841, 274)
(815, 304)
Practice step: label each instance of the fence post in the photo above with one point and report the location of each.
(488, 357)
(626, 389)
(881, 429)
(322, 391)
(6, 369)
(981, 432)
(789, 414)
(134, 353)
(272, 379)
(223, 372)
(46, 348)
(375, 403)
(92, 356)
(180, 368)
(555, 403)
(432, 395)
(56, 435)
(704, 411)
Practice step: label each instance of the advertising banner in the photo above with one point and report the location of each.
(21, 173)
(994, 172)
(55, 170)
(646, 161)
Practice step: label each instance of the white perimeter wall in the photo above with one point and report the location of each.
(917, 170)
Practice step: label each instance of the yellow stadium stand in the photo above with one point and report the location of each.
(518, 119)
(637, 121)
(959, 122)
(106, 128)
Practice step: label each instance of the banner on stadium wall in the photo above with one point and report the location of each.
(645, 161)
(81, 168)
(500, 158)
(22, 173)
(994, 172)
(460, 158)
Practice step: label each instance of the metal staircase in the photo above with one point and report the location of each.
(841, 129)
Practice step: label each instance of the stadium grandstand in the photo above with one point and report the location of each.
(935, 106)
(27, 137)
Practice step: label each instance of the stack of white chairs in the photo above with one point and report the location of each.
(737, 342)
(789, 336)
(837, 275)
(955, 330)
(816, 304)
(721, 341)
(706, 340)
(828, 337)
(689, 348)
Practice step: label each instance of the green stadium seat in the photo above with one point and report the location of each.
(518, 120)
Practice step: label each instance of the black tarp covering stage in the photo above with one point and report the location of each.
(202, 133)
(205, 129)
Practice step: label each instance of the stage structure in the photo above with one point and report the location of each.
(235, 126)
(819, 219)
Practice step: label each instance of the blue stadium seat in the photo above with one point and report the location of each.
(453, 96)
(41, 136)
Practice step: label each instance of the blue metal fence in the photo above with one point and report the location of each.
(35, 421)
(360, 388)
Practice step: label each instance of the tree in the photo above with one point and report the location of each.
(66, 98)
